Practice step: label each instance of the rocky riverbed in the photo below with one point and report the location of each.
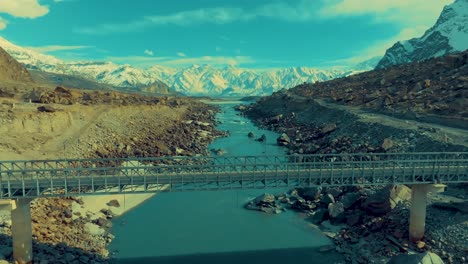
(367, 225)
(371, 225)
(74, 230)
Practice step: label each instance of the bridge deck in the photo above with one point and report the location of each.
(43, 178)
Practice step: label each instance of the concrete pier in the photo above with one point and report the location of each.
(417, 221)
(21, 229)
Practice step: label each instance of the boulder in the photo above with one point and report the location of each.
(336, 192)
(387, 144)
(335, 210)
(283, 140)
(309, 193)
(113, 203)
(353, 219)
(251, 135)
(46, 109)
(327, 199)
(93, 229)
(385, 199)
(319, 216)
(265, 198)
(262, 138)
(350, 199)
(328, 128)
(421, 258)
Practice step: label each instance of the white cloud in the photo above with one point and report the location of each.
(52, 48)
(401, 12)
(409, 12)
(377, 48)
(149, 52)
(23, 8)
(181, 54)
(303, 10)
(143, 61)
(3, 23)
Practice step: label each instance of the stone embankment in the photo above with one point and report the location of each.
(94, 125)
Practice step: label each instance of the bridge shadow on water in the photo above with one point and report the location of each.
(273, 256)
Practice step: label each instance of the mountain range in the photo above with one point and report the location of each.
(448, 35)
(191, 80)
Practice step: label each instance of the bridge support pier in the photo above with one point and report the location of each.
(21, 229)
(417, 221)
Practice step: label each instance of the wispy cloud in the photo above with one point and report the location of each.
(52, 48)
(300, 11)
(23, 8)
(149, 52)
(181, 54)
(143, 61)
(375, 49)
(400, 12)
(395, 11)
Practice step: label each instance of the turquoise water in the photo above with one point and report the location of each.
(212, 227)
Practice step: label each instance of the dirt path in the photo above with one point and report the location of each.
(437, 132)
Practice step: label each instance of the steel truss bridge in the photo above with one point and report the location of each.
(78, 177)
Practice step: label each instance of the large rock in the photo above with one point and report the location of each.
(265, 198)
(385, 199)
(319, 216)
(283, 140)
(421, 258)
(93, 229)
(335, 210)
(309, 193)
(350, 199)
(327, 199)
(265, 203)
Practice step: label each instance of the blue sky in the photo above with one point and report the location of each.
(244, 33)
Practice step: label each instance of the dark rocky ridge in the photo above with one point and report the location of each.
(434, 42)
(434, 90)
(11, 70)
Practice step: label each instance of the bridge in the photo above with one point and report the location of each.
(21, 181)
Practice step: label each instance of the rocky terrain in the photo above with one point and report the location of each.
(375, 112)
(433, 90)
(40, 122)
(371, 226)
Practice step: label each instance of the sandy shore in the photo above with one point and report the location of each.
(93, 204)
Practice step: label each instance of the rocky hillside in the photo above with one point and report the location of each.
(434, 90)
(448, 35)
(11, 70)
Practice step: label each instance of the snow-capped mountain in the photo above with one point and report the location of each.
(449, 34)
(192, 80)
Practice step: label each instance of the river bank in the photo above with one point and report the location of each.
(374, 227)
(76, 230)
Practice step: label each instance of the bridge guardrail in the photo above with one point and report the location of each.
(81, 176)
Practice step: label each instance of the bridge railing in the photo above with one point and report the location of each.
(84, 176)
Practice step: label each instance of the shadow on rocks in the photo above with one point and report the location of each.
(48, 253)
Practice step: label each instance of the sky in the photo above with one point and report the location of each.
(253, 34)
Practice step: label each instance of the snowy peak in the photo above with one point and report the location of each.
(191, 80)
(449, 34)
